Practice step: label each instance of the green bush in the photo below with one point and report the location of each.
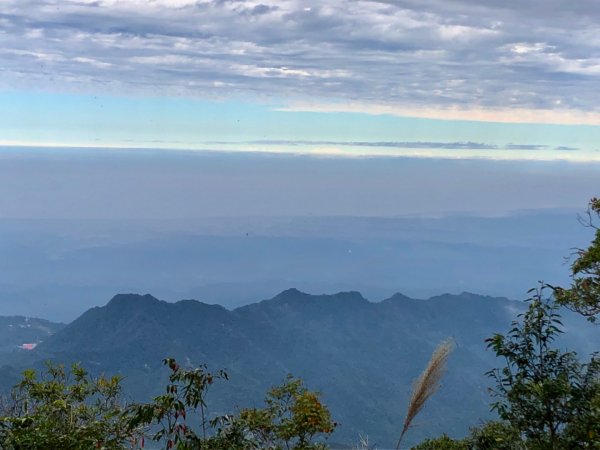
(70, 410)
(583, 296)
(442, 443)
(62, 409)
(292, 417)
(495, 435)
(544, 393)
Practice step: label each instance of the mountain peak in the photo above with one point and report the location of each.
(398, 297)
(131, 300)
(295, 294)
(290, 293)
(351, 295)
(323, 302)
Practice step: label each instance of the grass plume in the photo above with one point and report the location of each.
(427, 384)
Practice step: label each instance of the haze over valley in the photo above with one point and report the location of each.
(231, 229)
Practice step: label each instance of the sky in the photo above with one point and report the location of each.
(452, 79)
(119, 111)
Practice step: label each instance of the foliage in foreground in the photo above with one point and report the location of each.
(546, 394)
(546, 398)
(73, 411)
(583, 296)
(68, 410)
(494, 435)
(293, 416)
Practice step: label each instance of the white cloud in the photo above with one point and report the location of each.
(545, 55)
(40, 56)
(463, 33)
(444, 55)
(524, 48)
(92, 62)
(456, 112)
(286, 72)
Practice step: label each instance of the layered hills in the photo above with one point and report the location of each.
(362, 356)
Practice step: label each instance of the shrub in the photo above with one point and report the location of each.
(65, 409)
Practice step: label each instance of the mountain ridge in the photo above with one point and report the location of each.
(363, 356)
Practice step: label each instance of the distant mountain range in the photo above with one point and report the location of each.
(362, 356)
(57, 269)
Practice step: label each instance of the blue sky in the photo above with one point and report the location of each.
(182, 123)
(433, 78)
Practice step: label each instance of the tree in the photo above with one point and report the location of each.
(442, 443)
(584, 294)
(185, 396)
(546, 398)
(583, 431)
(546, 395)
(292, 418)
(65, 409)
(60, 409)
(496, 435)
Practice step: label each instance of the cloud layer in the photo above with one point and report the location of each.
(407, 144)
(440, 54)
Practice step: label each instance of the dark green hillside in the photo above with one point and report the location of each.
(362, 356)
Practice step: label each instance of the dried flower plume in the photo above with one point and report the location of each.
(427, 384)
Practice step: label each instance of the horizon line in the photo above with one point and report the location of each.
(483, 153)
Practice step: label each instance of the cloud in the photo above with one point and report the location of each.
(395, 145)
(525, 147)
(387, 144)
(537, 60)
(454, 112)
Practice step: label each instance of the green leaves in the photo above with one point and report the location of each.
(584, 294)
(442, 443)
(292, 418)
(66, 409)
(541, 392)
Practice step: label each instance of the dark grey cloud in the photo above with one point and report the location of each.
(403, 144)
(536, 54)
(383, 144)
(525, 147)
